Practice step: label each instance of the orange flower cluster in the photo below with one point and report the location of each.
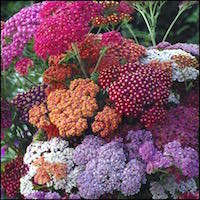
(54, 60)
(53, 87)
(128, 51)
(70, 108)
(38, 115)
(185, 61)
(45, 170)
(106, 122)
(56, 73)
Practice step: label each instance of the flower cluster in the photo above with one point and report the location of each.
(106, 169)
(110, 38)
(38, 116)
(181, 124)
(17, 32)
(70, 23)
(23, 65)
(51, 157)
(183, 63)
(26, 100)
(6, 114)
(11, 176)
(137, 87)
(120, 12)
(69, 109)
(106, 122)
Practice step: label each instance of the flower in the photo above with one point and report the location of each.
(106, 122)
(22, 66)
(176, 127)
(26, 100)
(55, 157)
(18, 31)
(14, 170)
(53, 87)
(69, 109)
(6, 120)
(112, 37)
(43, 195)
(74, 196)
(125, 8)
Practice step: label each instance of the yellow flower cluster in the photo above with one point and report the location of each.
(38, 116)
(106, 122)
(69, 109)
(185, 61)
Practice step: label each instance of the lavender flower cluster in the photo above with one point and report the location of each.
(108, 167)
(17, 32)
(24, 101)
(186, 159)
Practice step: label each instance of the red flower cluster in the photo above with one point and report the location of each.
(51, 131)
(189, 195)
(139, 90)
(10, 178)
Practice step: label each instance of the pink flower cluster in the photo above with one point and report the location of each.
(112, 37)
(69, 24)
(23, 65)
(17, 32)
(125, 8)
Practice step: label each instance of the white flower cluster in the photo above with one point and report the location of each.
(174, 98)
(161, 191)
(178, 74)
(55, 150)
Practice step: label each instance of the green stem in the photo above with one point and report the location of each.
(132, 33)
(99, 29)
(100, 58)
(74, 46)
(22, 85)
(29, 80)
(149, 28)
(172, 24)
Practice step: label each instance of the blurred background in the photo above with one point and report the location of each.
(186, 28)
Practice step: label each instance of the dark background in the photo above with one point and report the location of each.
(186, 29)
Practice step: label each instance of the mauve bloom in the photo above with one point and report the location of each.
(23, 65)
(43, 195)
(74, 196)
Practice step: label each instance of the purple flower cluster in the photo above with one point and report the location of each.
(190, 48)
(186, 159)
(25, 101)
(17, 32)
(43, 195)
(108, 170)
(6, 120)
(181, 124)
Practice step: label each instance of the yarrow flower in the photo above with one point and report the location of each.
(134, 89)
(69, 109)
(106, 122)
(110, 38)
(53, 157)
(10, 178)
(17, 32)
(23, 65)
(43, 195)
(26, 100)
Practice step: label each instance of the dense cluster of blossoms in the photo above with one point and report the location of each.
(10, 178)
(6, 115)
(23, 65)
(17, 32)
(51, 165)
(183, 64)
(68, 25)
(26, 100)
(190, 48)
(106, 122)
(186, 159)
(69, 109)
(172, 189)
(107, 169)
(120, 11)
(135, 87)
(176, 127)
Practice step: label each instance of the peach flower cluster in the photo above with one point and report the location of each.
(38, 116)
(45, 170)
(69, 109)
(106, 122)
